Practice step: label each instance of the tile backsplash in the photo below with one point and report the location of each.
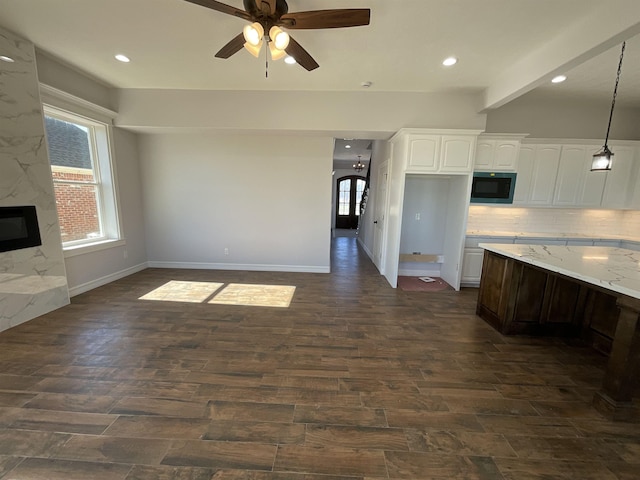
(592, 222)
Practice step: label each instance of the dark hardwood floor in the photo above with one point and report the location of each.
(353, 380)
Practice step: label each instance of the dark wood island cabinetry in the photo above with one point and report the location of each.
(587, 292)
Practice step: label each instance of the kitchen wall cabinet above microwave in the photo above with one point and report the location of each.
(435, 151)
(560, 175)
(497, 153)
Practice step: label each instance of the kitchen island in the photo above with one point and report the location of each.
(587, 292)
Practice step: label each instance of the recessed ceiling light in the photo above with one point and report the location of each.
(347, 146)
(559, 79)
(449, 61)
(290, 60)
(122, 58)
(4, 58)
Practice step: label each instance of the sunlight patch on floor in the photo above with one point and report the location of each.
(255, 295)
(233, 294)
(178, 291)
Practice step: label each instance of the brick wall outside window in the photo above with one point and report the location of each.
(76, 203)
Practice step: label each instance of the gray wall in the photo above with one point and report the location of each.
(264, 198)
(551, 116)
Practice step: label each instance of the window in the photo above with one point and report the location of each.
(79, 153)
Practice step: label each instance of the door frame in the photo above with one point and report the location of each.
(352, 192)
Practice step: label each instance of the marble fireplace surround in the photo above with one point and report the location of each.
(32, 280)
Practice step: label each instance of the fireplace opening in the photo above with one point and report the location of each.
(19, 228)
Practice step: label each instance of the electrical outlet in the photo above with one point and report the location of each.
(417, 216)
(226, 251)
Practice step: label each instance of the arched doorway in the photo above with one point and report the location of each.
(349, 195)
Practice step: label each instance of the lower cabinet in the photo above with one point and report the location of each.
(517, 298)
(472, 265)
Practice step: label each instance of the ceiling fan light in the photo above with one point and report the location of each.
(253, 49)
(276, 53)
(253, 34)
(602, 160)
(279, 37)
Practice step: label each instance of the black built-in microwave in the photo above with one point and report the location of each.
(493, 187)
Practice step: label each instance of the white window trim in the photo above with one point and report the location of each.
(105, 150)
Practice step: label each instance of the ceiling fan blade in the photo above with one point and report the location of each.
(234, 46)
(222, 7)
(303, 58)
(337, 18)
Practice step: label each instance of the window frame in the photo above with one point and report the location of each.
(103, 166)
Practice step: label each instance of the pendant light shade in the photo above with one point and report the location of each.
(603, 160)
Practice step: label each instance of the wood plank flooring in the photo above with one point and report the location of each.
(353, 380)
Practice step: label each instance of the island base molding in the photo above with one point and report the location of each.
(519, 298)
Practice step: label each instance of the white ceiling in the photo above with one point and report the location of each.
(505, 47)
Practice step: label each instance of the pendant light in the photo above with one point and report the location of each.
(603, 159)
(358, 167)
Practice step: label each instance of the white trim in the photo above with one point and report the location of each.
(98, 282)
(364, 247)
(74, 251)
(61, 99)
(240, 266)
(404, 272)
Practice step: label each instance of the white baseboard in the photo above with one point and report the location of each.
(404, 272)
(240, 266)
(98, 282)
(366, 250)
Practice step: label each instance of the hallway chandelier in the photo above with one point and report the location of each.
(603, 159)
(358, 167)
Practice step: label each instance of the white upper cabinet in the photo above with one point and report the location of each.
(424, 153)
(497, 153)
(457, 153)
(592, 187)
(617, 189)
(571, 173)
(560, 175)
(525, 173)
(437, 151)
(576, 184)
(634, 197)
(544, 170)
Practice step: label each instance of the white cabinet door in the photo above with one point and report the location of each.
(485, 150)
(457, 153)
(635, 194)
(593, 183)
(543, 177)
(424, 151)
(472, 265)
(524, 174)
(570, 175)
(506, 155)
(496, 155)
(618, 181)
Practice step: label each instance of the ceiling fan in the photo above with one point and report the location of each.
(268, 16)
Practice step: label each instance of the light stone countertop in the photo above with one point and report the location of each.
(615, 269)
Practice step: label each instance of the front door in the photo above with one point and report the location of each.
(349, 191)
